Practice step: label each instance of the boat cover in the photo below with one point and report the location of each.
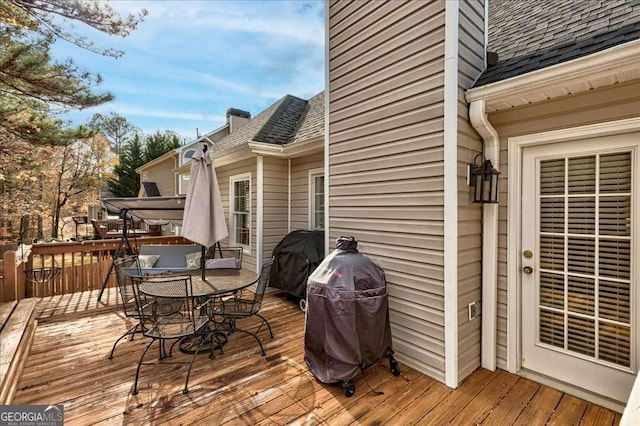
(347, 316)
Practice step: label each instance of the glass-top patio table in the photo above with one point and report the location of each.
(217, 282)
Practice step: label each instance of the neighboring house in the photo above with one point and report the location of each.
(160, 172)
(271, 176)
(412, 103)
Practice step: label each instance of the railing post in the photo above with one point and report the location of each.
(28, 286)
(12, 290)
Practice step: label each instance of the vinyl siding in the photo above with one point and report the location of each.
(470, 65)
(276, 194)
(300, 188)
(386, 182)
(162, 174)
(224, 174)
(602, 105)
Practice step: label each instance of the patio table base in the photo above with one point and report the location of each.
(191, 344)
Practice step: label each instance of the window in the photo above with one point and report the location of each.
(187, 156)
(316, 199)
(240, 210)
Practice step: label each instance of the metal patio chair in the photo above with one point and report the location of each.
(125, 267)
(237, 308)
(156, 297)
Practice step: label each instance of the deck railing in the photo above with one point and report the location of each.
(112, 228)
(84, 265)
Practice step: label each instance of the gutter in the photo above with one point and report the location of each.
(618, 60)
(491, 151)
(170, 154)
(291, 150)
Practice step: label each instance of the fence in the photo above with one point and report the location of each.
(83, 266)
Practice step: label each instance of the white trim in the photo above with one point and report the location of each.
(515, 147)
(491, 148)
(311, 209)
(241, 153)
(289, 196)
(293, 150)
(259, 211)
(171, 154)
(327, 100)
(232, 235)
(451, 194)
(621, 61)
(514, 212)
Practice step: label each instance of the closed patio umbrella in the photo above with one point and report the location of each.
(203, 220)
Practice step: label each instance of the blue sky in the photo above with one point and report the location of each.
(191, 60)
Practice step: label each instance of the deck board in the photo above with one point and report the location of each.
(68, 364)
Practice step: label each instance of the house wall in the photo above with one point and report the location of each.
(276, 198)
(386, 171)
(470, 65)
(602, 105)
(300, 188)
(224, 174)
(162, 174)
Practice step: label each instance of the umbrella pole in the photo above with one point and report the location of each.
(203, 261)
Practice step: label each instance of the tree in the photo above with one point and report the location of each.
(54, 19)
(115, 128)
(126, 182)
(159, 144)
(82, 166)
(23, 173)
(32, 84)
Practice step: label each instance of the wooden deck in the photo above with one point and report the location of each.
(68, 365)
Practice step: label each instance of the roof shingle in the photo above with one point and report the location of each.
(535, 34)
(290, 119)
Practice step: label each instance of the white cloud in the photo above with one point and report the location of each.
(270, 18)
(136, 111)
(191, 60)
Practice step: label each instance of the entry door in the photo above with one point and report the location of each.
(578, 263)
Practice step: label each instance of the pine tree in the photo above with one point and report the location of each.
(33, 86)
(126, 182)
(159, 144)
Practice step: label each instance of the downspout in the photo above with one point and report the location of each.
(491, 151)
(260, 212)
(327, 118)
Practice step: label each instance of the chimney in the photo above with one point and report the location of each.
(236, 118)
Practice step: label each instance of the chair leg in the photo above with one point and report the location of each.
(255, 337)
(135, 383)
(193, 358)
(266, 322)
(172, 345)
(131, 332)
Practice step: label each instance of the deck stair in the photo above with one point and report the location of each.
(17, 328)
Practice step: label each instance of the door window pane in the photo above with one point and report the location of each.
(584, 288)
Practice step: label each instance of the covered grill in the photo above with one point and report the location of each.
(295, 257)
(347, 317)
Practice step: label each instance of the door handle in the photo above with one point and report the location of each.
(527, 270)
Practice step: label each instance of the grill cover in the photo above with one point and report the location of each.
(347, 316)
(295, 257)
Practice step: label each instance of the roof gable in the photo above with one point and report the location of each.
(283, 122)
(537, 34)
(290, 119)
(312, 123)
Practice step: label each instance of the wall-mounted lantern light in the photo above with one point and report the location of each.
(484, 179)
